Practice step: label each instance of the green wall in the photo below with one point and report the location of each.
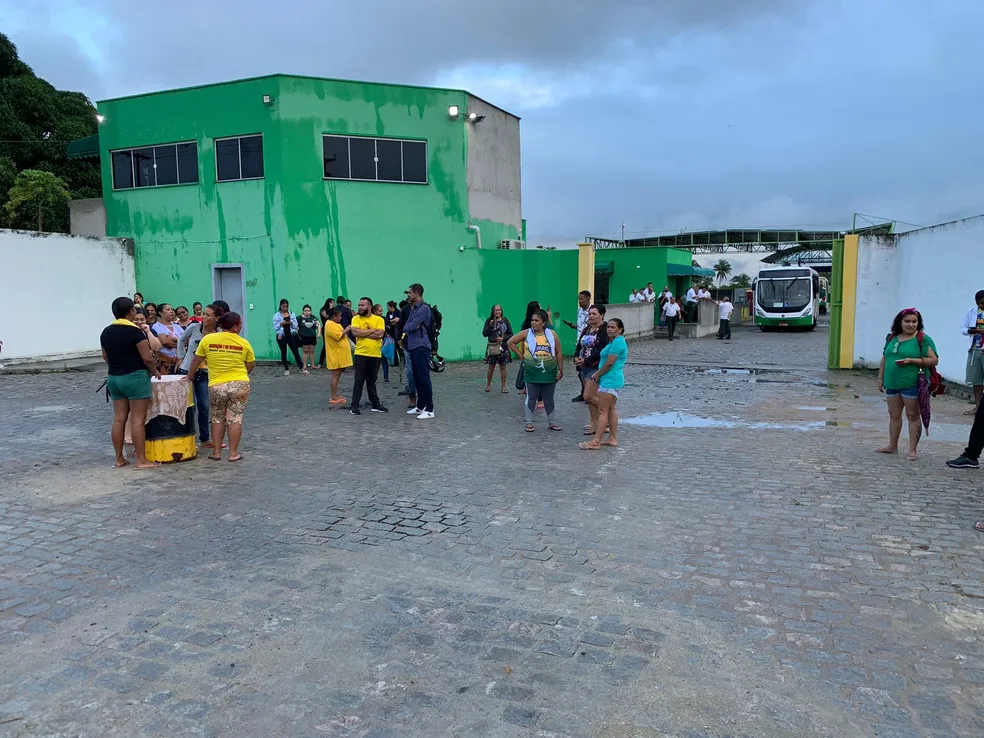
(305, 238)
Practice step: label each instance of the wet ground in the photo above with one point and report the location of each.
(742, 565)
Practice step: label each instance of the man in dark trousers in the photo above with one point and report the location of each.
(417, 340)
(970, 458)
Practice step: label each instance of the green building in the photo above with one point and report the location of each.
(302, 188)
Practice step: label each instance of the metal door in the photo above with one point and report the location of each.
(228, 284)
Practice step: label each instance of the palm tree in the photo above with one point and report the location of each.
(741, 281)
(722, 270)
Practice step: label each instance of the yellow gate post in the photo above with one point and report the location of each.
(849, 300)
(586, 268)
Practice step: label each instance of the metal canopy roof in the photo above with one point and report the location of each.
(84, 148)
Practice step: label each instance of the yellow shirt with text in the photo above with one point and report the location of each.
(368, 346)
(227, 354)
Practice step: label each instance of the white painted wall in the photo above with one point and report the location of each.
(44, 276)
(494, 166)
(934, 270)
(638, 318)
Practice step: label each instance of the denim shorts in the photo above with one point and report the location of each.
(910, 394)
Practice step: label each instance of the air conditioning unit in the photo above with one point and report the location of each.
(511, 244)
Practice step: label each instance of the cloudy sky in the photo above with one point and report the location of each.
(662, 114)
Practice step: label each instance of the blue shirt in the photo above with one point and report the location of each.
(416, 327)
(278, 323)
(614, 378)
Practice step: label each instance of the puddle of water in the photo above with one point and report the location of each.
(683, 420)
(817, 408)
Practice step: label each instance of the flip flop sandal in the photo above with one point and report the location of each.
(554, 427)
(530, 429)
(588, 432)
(505, 391)
(238, 458)
(214, 458)
(487, 389)
(588, 447)
(979, 527)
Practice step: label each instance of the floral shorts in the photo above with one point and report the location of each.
(227, 401)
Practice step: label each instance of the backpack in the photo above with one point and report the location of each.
(434, 327)
(937, 386)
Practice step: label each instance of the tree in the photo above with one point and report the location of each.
(34, 194)
(695, 264)
(722, 270)
(37, 122)
(741, 281)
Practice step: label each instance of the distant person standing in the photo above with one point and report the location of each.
(649, 294)
(416, 333)
(543, 366)
(973, 326)
(636, 296)
(368, 330)
(690, 308)
(671, 314)
(497, 331)
(131, 364)
(308, 329)
(285, 326)
(583, 306)
(338, 352)
(725, 309)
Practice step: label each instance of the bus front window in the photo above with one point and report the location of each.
(784, 294)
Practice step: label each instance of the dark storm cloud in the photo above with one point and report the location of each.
(667, 114)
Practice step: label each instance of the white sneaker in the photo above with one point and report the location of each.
(286, 372)
(413, 411)
(425, 415)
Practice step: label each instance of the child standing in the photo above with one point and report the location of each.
(308, 330)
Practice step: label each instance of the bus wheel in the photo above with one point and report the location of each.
(813, 326)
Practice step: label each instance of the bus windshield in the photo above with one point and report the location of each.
(784, 294)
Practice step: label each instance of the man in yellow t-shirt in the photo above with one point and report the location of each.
(368, 331)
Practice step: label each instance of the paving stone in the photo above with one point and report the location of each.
(522, 717)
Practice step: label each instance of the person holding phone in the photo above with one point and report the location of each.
(498, 331)
(908, 352)
(285, 326)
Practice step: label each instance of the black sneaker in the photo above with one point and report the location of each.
(380, 409)
(962, 462)
(403, 393)
(355, 411)
(579, 398)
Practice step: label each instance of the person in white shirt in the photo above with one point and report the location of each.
(691, 306)
(725, 308)
(671, 313)
(636, 296)
(973, 326)
(649, 294)
(583, 307)
(703, 294)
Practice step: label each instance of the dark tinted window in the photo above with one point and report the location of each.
(167, 165)
(251, 155)
(187, 156)
(336, 157)
(122, 170)
(363, 154)
(388, 167)
(414, 161)
(143, 168)
(227, 159)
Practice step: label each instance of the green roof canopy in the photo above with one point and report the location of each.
(84, 148)
(681, 270)
(605, 267)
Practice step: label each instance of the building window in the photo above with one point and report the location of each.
(155, 166)
(239, 158)
(375, 159)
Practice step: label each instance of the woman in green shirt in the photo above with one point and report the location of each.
(908, 351)
(543, 366)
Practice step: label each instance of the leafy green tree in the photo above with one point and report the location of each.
(695, 264)
(741, 281)
(37, 122)
(722, 270)
(34, 194)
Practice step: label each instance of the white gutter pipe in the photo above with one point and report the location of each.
(478, 234)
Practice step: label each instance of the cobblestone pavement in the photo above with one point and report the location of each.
(382, 576)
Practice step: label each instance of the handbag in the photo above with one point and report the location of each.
(521, 377)
(388, 350)
(936, 384)
(494, 349)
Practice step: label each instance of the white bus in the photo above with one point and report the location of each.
(787, 297)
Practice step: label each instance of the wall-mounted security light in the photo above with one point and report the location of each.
(475, 118)
(453, 112)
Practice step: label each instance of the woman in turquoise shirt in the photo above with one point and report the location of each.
(908, 351)
(610, 381)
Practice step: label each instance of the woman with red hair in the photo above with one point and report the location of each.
(908, 354)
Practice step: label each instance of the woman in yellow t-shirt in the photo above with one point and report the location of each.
(338, 352)
(230, 360)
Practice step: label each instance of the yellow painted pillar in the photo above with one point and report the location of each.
(585, 267)
(849, 300)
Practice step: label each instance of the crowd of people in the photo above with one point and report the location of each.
(148, 340)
